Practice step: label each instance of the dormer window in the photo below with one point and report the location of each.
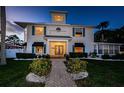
(58, 29)
(58, 18)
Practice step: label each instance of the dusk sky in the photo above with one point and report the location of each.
(76, 15)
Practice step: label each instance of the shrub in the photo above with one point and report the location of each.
(77, 55)
(67, 56)
(105, 56)
(25, 55)
(76, 66)
(46, 56)
(41, 67)
(93, 54)
(118, 56)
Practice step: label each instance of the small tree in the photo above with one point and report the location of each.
(102, 26)
(14, 40)
(3, 34)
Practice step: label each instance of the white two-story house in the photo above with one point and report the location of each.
(57, 38)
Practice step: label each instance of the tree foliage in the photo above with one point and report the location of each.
(110, 36)
(13, 39)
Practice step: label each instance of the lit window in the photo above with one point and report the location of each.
(78, 49)
(78, 32)
(38, 49)
(58, 18)
(39, 30)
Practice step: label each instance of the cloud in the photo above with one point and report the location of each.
(12, 28)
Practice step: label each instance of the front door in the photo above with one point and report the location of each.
(59, 50)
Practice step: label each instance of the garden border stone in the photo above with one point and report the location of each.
(80, 75)
(31, 77)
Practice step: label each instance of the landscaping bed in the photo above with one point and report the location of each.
(103, 74)
(13, 74)
(39, 71)
(77, 68)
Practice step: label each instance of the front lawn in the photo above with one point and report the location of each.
(13, 74)
(103, 74)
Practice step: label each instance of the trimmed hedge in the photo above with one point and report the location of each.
(26, 55)
(46, 56)
(105, 57)
(77, 55)
(117, 56)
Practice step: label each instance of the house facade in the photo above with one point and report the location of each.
(57, 38)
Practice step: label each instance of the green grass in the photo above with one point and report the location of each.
(103, 74)
(13, 74)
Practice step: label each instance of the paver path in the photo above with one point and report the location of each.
(58, 76)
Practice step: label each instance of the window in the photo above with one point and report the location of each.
(58, 29)
(38, 49)
(78, 32)
(58, 18)
(78, 49)
(105, 49)
(111, 49)
(95, 49)
(100, 47)
(116, 49)
(39, 30)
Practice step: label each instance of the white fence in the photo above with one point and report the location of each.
(11, 53)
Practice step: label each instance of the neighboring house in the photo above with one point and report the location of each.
(108, 48)
(59, 38)
(13, 29)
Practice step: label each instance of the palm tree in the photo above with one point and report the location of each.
(102, 27)
(3, 34)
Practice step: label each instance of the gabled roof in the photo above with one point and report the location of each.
(54, 11)
(24, 24)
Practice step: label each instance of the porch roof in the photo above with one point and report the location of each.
(79, 45)
(38, 44)
(58, 36)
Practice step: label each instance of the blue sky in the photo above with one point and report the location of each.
(76, 14)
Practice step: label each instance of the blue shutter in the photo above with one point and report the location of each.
(83, 31)
(32, 49)
(73, 32)
(44, 31)
(84, 49)
(33, 30)
(44, 48)
(73, 48)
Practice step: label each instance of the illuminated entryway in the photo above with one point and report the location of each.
(57, 48)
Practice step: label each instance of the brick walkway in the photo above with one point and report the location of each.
(58, 76)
